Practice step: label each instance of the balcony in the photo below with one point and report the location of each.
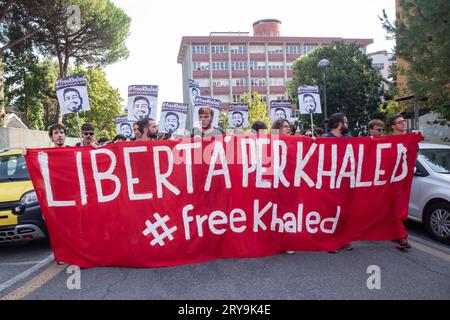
(221, 90)
(257, 57)
(219, 57)
(200, 57)
(277, 90)
(238, 57)
(292, 57)
(220, 74)
(200, 74)
(276, 57)
(258, 73)
(276, 73)
(239, 73)
(240, 89)
(259, 89)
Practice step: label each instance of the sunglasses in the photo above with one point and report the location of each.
(401, 122)
(90, 133)
(379, 130)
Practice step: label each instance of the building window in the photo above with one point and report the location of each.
(239, 65)
(309, 48)
(378, 66)
(257, 65)
(219, 49)
(276, 66)
(275, 50)
(237, 98)
(200, 49)
(278, 82)
(200, 66)
(220, 83)
(258, 82)
(241, 49)
(220, 65)
(293, 50)
(240, 82)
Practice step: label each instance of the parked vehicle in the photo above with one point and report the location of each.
(430, 194)
(20, 215)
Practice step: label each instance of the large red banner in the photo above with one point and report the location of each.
(165, 203)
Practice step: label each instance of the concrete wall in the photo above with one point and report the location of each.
(20, 138)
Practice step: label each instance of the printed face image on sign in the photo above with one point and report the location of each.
(72, 94)
(309, 99)
(280, 113)
(142, 101)
(171, 122)
(309, 103)
(72, 100)
(194, 93)
(237, 119)
(126, 130)
(141, 108)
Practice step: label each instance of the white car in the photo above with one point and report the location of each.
(430, 194)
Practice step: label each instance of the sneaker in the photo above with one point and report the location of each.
(289, 252)
(403, 244)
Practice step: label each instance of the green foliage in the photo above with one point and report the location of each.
(223, 120)
(423, 41)
(353, 85)
(257, 108)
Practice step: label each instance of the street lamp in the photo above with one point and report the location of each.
(323, 65)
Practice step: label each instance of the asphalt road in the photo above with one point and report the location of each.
(423, 272)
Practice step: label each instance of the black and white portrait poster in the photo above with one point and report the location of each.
(72, 94)
(124, 126)
(309, 99)
(173, 118)
(142, 102)
(214, 104)
(238, 115)
(194, 90)
(280, 109)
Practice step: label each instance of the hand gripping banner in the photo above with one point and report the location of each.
(171, 202)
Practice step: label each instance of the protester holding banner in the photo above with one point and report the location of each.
(376, 128)
(338, 126)
(57, 134)
(140, 129)
(152, 132)
(318, 132)
(259, 126)
(119, 138)
(398, 125)
(281, 126)
(88, 133)
(206, 128)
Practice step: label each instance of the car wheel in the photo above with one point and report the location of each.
(437, 221)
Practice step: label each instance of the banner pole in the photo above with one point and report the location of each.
(79, 128)
(312, 124)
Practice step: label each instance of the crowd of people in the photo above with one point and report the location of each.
(146, 129)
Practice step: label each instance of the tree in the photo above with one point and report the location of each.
(105, 104)
(353, 85)
(423, 41)
(257, 108)
(97, 40)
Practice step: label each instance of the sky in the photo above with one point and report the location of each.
(158, 26)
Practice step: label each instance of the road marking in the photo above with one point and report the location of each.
(26, 273)
(429, 250)
(35, 283)
(13, 264)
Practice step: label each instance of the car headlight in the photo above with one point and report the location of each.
(29, 198)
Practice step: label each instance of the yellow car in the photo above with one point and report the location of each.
(20, 214)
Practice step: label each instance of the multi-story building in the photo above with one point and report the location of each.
(228, 64)
(382, 60)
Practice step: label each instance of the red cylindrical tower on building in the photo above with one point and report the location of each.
(266, 28)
